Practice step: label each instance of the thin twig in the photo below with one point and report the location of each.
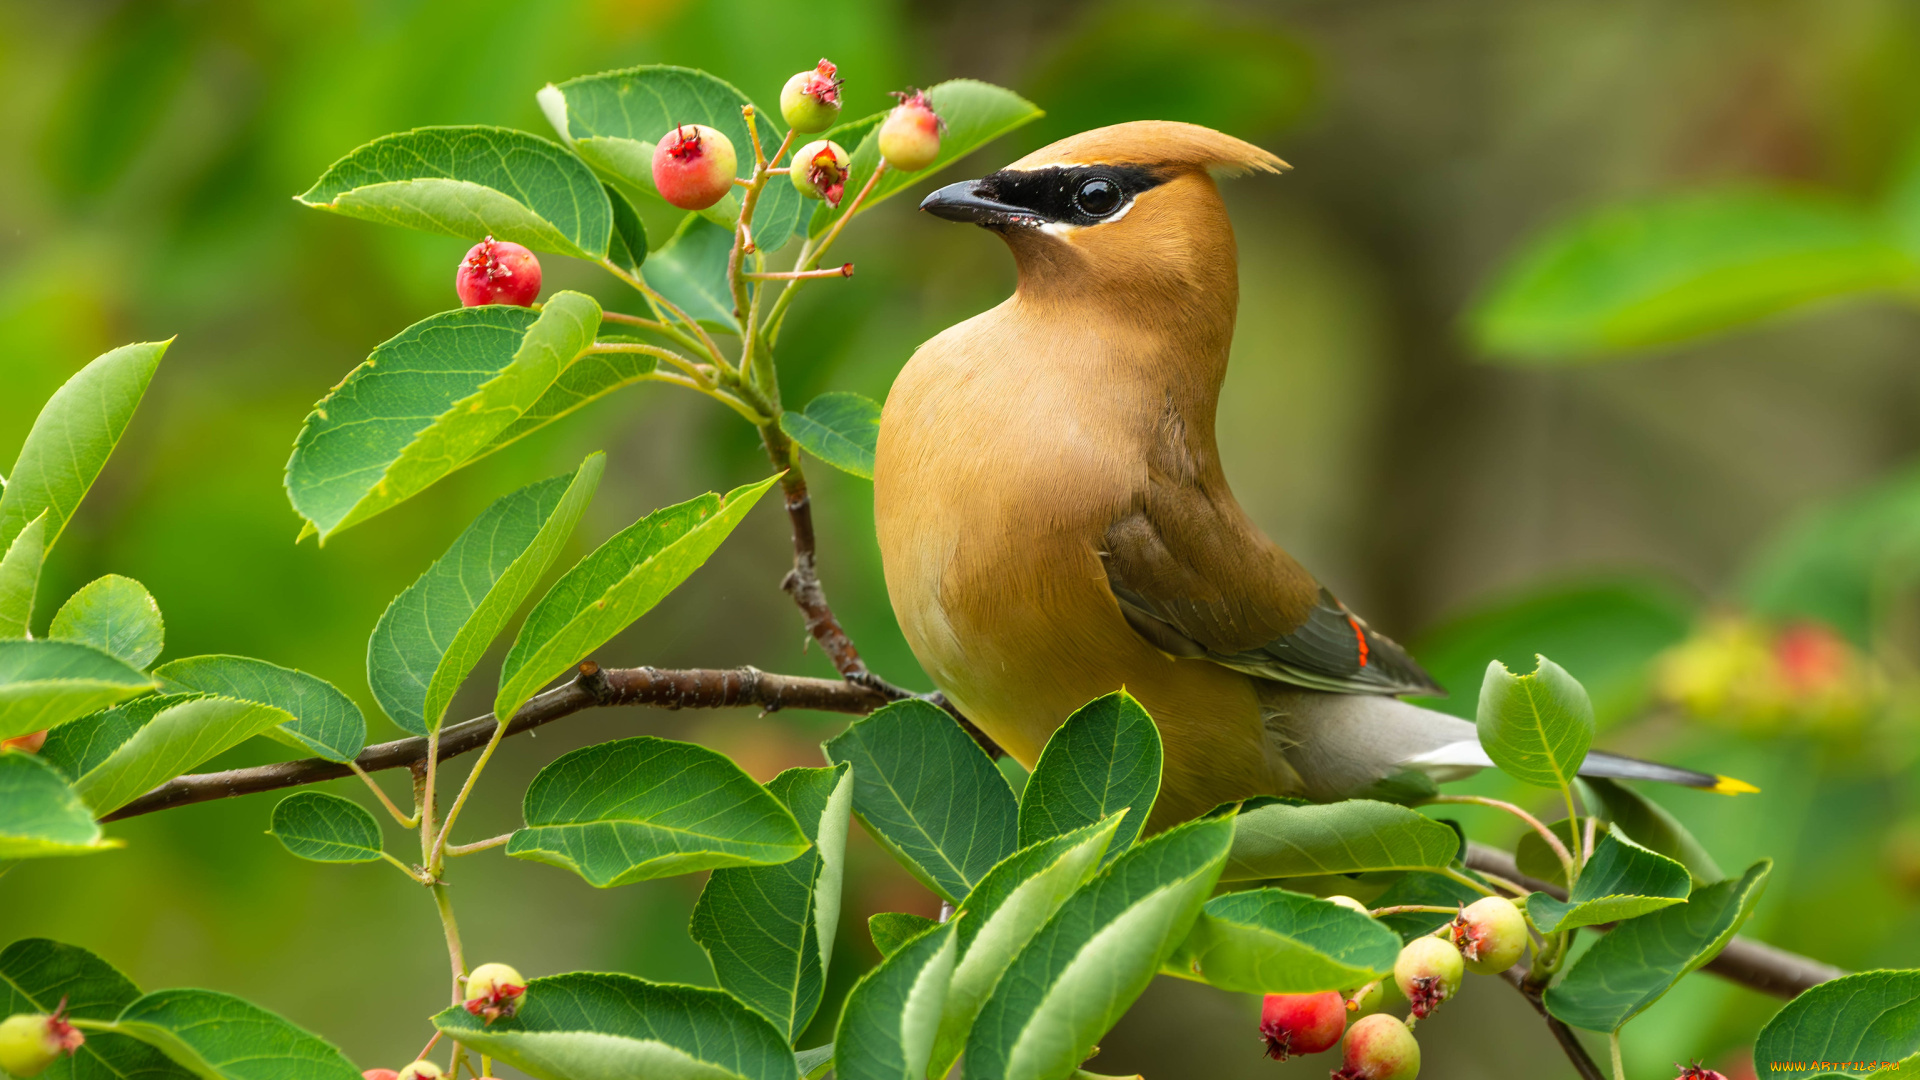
(843, 270)
(481, 845)
(1559, 849)
(698, 688)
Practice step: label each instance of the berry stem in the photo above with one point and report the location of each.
(407, 821)
(1553, 842)
(428, 1049)
(482, 845)
(810, 255)
(1398, 909)
(1467, 881)
(843, 270)
(452, 929)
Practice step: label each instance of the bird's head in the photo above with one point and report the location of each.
(1128, 210)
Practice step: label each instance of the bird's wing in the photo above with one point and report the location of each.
(1194, 577)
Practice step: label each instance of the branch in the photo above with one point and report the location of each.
(1753, 964)
(1576, 1051)
(592, 687)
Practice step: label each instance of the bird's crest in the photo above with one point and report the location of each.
(1166, 144)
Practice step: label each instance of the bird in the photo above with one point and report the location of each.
(1055, 525)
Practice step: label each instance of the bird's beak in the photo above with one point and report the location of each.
(965, 202)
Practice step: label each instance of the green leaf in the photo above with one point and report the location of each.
(72, 437)
(1004, 913)
(887, 1028)
(1622, 881)
(472, 182)
(769, 930)
(641, 808)
(840, 429)
(427, 402)
(613, 120)
(587, 380)
(587, 1026)
(114, 757)
(44, 684)
(976, 113)
(116, 615)
(1270, 941)
(320, 827)
(1423, 888)
(435, 633)
(1630, 967)
(1649, 824)
(628, 246)
(927, 792)
(20, 577)
(220, 1037)
(1085, 967)
(1632, 277)
(619, 582)
(37, 974)
(325, 721)
(691, 271)
(1105, 758)
(1279, 840)
(816, 1062)
(892, 929)
(1538, 727)
(40, 815)
(1868, 1018)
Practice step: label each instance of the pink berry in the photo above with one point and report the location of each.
(810, 101)
(1490, 934)
(1379, 1047)
(29, 743)
(1302, 1023)
(498, 272)
(693, 166)
(819, 171)
(379, 1074)
(910, 135)
(1428, 972)
(1697, 1071)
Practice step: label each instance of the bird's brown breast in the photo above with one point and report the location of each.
(1008, 448)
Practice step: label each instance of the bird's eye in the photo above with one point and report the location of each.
(1098, 197)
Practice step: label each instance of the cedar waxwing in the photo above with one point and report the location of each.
(1054, 522)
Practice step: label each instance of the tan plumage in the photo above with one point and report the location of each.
(1053, 518)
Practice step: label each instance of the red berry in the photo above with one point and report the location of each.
(379, 1074)
(498, 272)
(1302, 1023)
(29, 743)
(1697, 1071)
(1490, 934)
(1379, 1047)
(494, 991)
(693, 166)
(820, 171)
(810, 101)
(910, 135)
(1428, 972)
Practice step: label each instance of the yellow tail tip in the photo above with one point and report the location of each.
(1727, 785)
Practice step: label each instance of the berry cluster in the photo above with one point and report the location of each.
(695, 166)
(1487, 937)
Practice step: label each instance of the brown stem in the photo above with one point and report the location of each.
(1570, 1043)
(699, 688)
(803, 581)
(1752, 964)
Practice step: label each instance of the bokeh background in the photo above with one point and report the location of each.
(1715, 534)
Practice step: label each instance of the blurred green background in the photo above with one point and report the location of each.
(1656, 517)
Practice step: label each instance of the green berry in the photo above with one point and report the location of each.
(1490, 934)
(29, 1042)
(1428, 971)
(810, 102)
(819, 171)
(495, 991)
(422, 1070)
(1379, 1047)
(910, 135)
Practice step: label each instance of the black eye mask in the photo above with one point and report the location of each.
(1065, 195)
